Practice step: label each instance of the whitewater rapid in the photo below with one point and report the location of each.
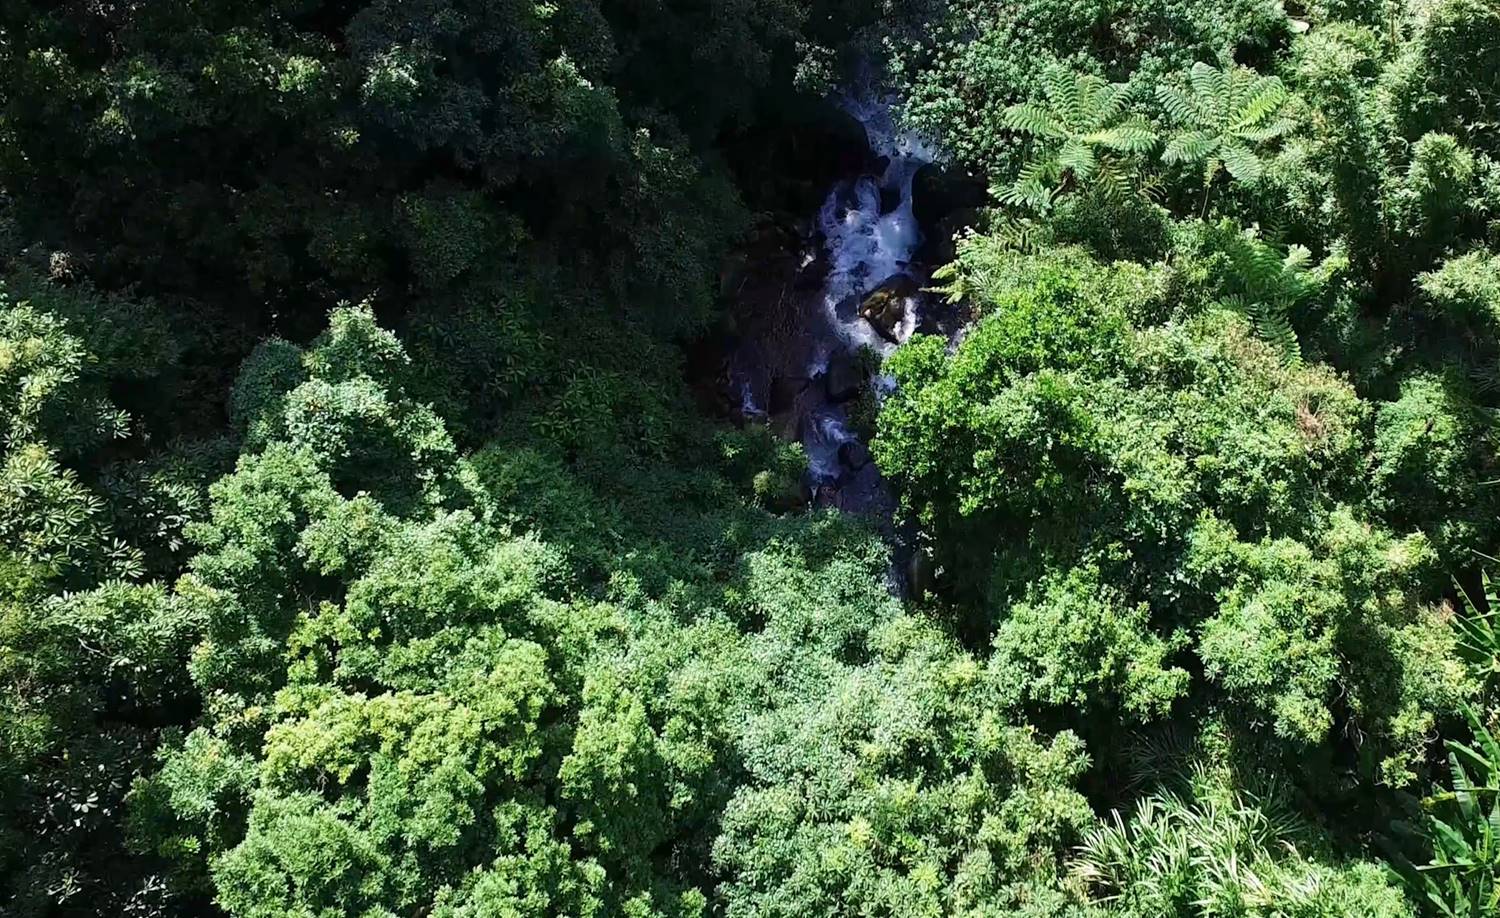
(870, 235)
(867, 244)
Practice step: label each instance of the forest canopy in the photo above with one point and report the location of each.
(389, 525)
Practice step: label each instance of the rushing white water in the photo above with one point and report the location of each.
(823, 434)
(866, 246)
(870, 235)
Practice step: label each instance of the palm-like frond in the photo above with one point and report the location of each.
(1188, 147)
(1034, 120)
(1015, 235)
(1210, 88)
(1265, 97)
(1063, 95)
(1478, 636)
(1104, 102)
(1133, 135)
(1223, 115)
(1263, 272)
(1265, 285)
(1177, 104)
(1240, 162)
(1077, 155)
(1462, 877)
(1267, 132)
(1274, 327)
(1081, 135)
(1463, 828)
(1032, 195)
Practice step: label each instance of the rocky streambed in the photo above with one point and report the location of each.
(819, 301)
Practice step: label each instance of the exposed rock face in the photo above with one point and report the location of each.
(845, 377)
(827, 496)
(784, 392)
(921, 577)
(780, 493)
(813, 270)
(889, 306)
(944, 201)
(854, 455)
(937, 192)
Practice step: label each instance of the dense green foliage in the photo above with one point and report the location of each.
(365, 552)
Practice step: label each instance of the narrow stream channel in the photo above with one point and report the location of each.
(863, 239)
(870, 235)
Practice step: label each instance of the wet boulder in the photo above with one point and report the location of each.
(887, 307)
(784, 393)
(827, 497)
(939, 242)
(845, 141)
(780, 493)
(937, 192)
(813, 270)
(854, 455)
(845, 377)
(921, 573)
(847, 309)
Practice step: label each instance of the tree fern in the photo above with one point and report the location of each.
(1082, 137)
(1274, 327)
(1265, 285)
(1021, 235)
(1223, 115)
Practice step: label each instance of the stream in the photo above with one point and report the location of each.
(857, 286)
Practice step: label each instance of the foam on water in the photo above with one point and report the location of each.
(825, 432)
(865, 248)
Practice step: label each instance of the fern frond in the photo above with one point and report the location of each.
(1297, 259)
(1029, 193)
(1040, 172)
(1211, 87)
(1225, 112)
(1274, 227)
(1078, 156)
(1178, 106)
(1268, 132)
(1241, 163)
(1083, 122)
(1016, 235)
(1028, 118)
(1188, 147)
(1268, 95)
(1063, 92)
(949, 282)
(1107, 102)
(1132, 136)
(1273, 327)
(1151, 188)
(1113, 181)
(1258, 267)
